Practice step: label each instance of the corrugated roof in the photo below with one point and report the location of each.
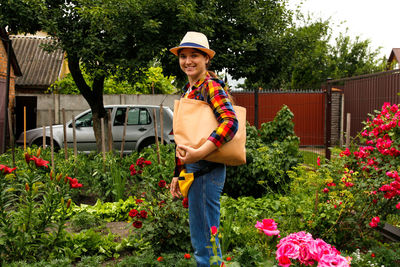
(39, 68)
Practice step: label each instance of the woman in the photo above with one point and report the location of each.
(204, 194)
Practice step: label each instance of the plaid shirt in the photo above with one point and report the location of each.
(217, 97)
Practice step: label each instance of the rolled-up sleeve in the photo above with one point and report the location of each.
(224, 112)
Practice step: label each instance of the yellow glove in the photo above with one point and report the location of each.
(185, 180)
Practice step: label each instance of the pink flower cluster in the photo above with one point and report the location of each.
(303, 247)
(268, 226)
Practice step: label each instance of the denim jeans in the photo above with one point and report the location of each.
(204, 209)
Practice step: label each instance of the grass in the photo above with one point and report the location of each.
(310, 158)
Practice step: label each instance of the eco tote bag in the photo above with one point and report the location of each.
(193, 123)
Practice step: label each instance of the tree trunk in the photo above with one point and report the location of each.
(94, 97)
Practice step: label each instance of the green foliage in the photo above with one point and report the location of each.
(149, 258)
(271, 152)
(84, 220)
(143, 83)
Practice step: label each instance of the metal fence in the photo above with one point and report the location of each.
(366, 93)
(308, 108)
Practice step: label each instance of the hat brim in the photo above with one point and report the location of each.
(209, 52)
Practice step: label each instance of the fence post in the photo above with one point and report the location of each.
(328, 121)
(256, 107)
(348, 125)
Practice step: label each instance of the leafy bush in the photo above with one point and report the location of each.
(271, 152)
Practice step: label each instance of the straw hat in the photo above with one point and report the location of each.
(195, 40)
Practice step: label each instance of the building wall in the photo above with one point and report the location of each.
(3, 74)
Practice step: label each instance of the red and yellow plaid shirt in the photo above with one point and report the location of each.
(214, 92)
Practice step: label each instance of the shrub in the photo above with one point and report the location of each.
(362, 185)
(34, 204)
(271, 152)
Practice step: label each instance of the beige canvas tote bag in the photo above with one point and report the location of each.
(193, 123)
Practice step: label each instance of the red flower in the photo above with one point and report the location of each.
(228, 258)
(284, 261)
(143, 214)
(373, 255)
(185, 203)
(318, 161)
(187, 256)
(6, 170)
(326, 190)
(137, 224)
(162, 183)
(160, 259)
(398, 206)
(161, 204)
(132, 167)
(73, 182)
(147, 162)
(214, 230)
(138, 201)
(140, 161)
(374, 222)
(27, 157)
(133, 213)
(40, 162)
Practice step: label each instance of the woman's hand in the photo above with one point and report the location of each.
(189, 154)
(174, 188)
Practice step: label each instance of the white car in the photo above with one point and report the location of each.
(139, 131)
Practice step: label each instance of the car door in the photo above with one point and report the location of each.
(85, 139)
(139, 124)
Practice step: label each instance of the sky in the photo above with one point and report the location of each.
(375, 20)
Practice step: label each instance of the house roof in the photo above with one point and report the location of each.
(395, 54)
(40, 68)
(13, 59)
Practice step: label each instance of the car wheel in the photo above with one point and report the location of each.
(146, 143)
(39, 142)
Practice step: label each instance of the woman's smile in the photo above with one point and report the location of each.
(193, 63)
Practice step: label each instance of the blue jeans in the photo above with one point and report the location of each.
(204, 209)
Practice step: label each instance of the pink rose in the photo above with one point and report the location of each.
(398, 206)
(329, 260)
(288, 249)
(305, 255)
(318, 248)
(268, 226)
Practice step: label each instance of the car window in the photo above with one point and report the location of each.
(86, 120)
(136, 116)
